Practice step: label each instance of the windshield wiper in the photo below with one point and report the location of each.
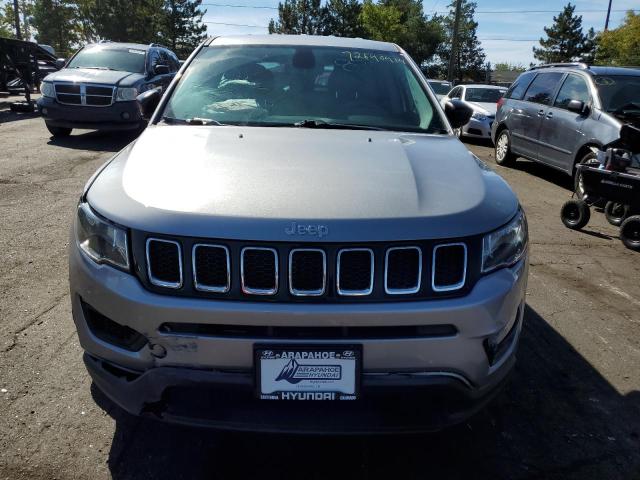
(192, 121)
(98, 68)
(328, 125)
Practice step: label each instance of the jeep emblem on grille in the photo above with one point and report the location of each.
(312, 230)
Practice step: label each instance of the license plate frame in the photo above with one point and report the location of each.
(316, 382)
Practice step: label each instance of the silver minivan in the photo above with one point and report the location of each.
(298, 242)
(554, 114)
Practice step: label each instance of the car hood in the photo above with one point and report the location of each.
(253, 182)
(92, 75)
(488, 108)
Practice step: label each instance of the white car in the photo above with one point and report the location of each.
(483, 99)
(440, 87)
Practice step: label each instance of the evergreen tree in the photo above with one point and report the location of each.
(469, 62)
(341, 18)
(56, 24)
(299, 17)
(565, 40)
(182, 26)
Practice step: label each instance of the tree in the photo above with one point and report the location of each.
(56, 24)
(7, 19)
(402, 22)
(298, 17)
(509, 67)
(182, 27)
(469, 62)
(565, 40)
(342, 18)
(621, 46)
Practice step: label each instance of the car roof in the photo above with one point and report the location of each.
(480, 85)
(596, 70)
(122, 45)
(588, 69)
(304, 40)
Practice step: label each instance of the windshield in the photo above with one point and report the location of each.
(103, 57)
(307, 86)
(486, 95)
(619, 93)
(440, 88)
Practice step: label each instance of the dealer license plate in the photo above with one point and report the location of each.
(307, 372)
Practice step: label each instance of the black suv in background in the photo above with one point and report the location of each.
(555, 113)
(98, 87)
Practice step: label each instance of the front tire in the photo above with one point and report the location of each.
(504, 155)
(575, 214)
(59, 131)
(578, 185)
(630, 232)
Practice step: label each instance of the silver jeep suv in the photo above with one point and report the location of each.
(298, 222)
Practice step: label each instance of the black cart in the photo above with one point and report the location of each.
(617, 182)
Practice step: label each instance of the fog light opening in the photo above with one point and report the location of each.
(45, 111)
(112, 332)
(496, 350)
(125, 116)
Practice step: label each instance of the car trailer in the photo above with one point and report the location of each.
(616, 181)
(22, 66)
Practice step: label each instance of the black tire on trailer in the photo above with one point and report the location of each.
(58, 131)
(575, 214)
(589, 159)
(616, 213)
(630, 232)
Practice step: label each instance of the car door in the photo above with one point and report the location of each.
(452, 94)
(532, 110)
(561, 129)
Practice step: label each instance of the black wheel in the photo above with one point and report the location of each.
(616, 213)
(630, 232)
(504, 156)
(575, 214)
(578, 186)
(59, 131)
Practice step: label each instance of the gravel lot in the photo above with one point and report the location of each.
(572, 409)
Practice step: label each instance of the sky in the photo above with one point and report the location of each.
(506, 37)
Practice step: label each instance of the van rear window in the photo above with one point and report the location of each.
(516, 91)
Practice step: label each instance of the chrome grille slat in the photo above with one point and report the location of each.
(435, 266)
(201, 284)
(244, 273)
(405, 289)
(341, 287)
(156, 280)
(293, 266)
(87, 94)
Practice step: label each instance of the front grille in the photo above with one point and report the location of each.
(449, 267)
(355, 271)
(211, 269)
(307, 272)
(312, 272)
(164, 263)
(403, 270)
(80, 94)
(259, 271)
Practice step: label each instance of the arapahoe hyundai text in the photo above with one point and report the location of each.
(298, 222)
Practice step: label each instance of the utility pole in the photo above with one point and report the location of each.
(606, 23)
(16, 14)
(454, 42)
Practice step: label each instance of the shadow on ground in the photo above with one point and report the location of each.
(557, 419)
(7, 115)
(95, 141)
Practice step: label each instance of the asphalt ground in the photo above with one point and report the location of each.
(571, 409)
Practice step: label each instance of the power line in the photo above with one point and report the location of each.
(237, 25)
(543, 11)
(237, 6)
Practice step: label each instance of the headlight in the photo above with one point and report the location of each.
(479, 116)
(47, 90)
(505, 246)
(102, 241)
(126, 94)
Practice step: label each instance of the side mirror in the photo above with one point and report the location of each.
(148, 102)
(60, 63)
(576, 106)
(161, 69)
(457, 112)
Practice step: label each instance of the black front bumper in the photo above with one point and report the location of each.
(89, 117)
(390, 403)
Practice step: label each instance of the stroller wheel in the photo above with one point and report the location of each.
(575, 214)
(630, 232)
(616, 213)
